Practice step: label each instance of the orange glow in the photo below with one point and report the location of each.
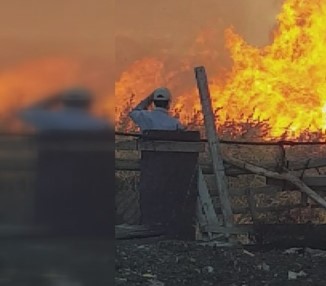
(284, 82)
(33, 80)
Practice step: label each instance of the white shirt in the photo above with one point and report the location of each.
(158, 119)
(63, 120)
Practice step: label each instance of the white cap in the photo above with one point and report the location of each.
(76, 94)
(162, 93)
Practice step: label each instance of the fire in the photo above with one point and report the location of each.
(284, 82)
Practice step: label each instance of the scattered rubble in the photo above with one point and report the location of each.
(176, 263)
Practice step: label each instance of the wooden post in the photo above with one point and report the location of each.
(214, 146)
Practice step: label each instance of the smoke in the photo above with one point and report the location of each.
(184, 34)
(257, 20)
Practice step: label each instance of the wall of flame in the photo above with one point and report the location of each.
(283, 82)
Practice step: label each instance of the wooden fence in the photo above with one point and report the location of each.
(248, 194)
(17, 178)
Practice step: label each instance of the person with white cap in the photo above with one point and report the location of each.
(74, 114)
(158, 118)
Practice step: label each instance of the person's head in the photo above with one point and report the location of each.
(77, 98)
(162, 97)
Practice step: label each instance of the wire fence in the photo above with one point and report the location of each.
(265, 143)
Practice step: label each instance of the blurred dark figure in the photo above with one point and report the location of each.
(75, 180)
(74, 198)
(67, 110)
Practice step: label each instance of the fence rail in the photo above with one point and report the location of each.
(272, 187)
(18, 155)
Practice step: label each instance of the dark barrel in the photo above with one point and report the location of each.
(168, 185)
(75, 182)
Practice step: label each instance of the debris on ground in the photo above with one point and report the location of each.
(177, 263)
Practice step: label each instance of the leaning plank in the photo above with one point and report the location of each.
(232, 170)
(206, 211)
(281, 176)
(214, 143)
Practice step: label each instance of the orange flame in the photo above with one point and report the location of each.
(283, 82)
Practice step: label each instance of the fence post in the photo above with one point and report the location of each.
(214, 145)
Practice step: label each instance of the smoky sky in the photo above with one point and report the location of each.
(146, 27)
(37, 28)
(116, 33)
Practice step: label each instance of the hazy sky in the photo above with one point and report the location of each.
(181, 18)
(144, 27)
(31, 28)
(88, 27)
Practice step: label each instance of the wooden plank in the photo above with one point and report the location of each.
(206, 166)
(231, 170)
(213, 143)
(162, 146)
(297, 165)
(172, 146)
(125, 164)
(206, 212)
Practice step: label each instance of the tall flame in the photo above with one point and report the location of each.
(284, 82)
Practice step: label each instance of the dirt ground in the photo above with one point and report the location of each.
(173, 263)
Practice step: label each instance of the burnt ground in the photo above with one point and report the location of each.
(174, 263)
